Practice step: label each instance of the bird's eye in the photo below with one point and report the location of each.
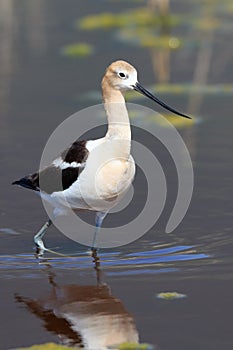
(122, 75)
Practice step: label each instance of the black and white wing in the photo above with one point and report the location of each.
(61, 174)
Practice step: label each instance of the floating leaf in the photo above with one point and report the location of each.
(101, 21)
(78, 50)
(170, 295)
(164, 42)
(132, 346)
(148, 37)
(141, 16)
(48, 346)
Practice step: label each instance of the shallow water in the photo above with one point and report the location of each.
(39, 88)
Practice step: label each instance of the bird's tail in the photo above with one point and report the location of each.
(27, 182)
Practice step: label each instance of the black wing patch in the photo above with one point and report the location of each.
(69, 176)
(61, 175)
(76, 153)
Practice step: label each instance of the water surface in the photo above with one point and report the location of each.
(38, 89)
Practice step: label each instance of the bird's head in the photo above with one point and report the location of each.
(122, 76)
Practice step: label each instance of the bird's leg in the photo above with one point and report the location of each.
(100, 215)
(40, 248)
(96, 261)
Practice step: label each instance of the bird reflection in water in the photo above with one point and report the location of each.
(87, 316)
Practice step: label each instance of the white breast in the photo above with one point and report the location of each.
(104, 180)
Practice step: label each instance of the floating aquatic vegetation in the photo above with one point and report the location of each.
(48, 346)
(78, 50)
(164, 42)
(131, 346)
(149, 28)
(145, 37)
(139, 26)
(141, 16)
(124, 346)
(170, 295)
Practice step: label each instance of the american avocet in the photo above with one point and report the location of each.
(91, 181)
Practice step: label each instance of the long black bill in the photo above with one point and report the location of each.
(139, 88)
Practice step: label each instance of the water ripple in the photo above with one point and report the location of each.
(115, 263)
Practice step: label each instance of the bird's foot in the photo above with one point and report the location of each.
(94, 251)
(96, 261)
(40, 248)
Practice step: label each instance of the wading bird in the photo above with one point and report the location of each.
(95, 174)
